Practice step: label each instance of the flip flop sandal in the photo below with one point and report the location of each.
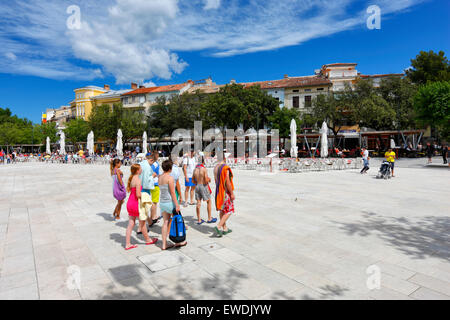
(132, 247)
(199, 223)
(181, 245)
(219, 233)
(193, 204)
(227, 232)
(148, 230)
(152, 242)
(168, 247)
(212, 220)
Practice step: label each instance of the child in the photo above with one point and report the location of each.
(168, 202)
(134, 188)
(119, 191)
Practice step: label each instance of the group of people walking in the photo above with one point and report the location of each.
(151, 184)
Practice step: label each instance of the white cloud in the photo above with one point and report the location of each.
(11, 56)
(149, 84)
(211, 4)
(138, 40)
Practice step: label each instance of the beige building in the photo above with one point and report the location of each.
(61, 116)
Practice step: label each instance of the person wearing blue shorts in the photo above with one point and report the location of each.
(189, 164)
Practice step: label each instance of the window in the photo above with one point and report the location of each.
(296, 102)
(294, 90)
(307, 90)
(141, 99)
(319, 89)
(307, 101)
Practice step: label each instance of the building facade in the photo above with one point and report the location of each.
(295, 92)
(60, 116)
(81, 107)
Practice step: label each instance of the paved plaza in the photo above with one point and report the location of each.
(315, 235)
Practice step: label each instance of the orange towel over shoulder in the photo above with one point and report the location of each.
(220, 185)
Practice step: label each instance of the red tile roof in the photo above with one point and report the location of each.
(339, 64)
(139, 91)
(173, 87)
(293, 82)
(169, 88)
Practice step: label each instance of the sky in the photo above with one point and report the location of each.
(47, 49)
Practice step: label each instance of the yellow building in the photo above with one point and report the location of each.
(81, 107)
(88, 97)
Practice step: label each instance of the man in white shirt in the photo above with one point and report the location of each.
(189, 164)
(365, 157)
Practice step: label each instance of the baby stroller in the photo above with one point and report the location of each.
(385, 170)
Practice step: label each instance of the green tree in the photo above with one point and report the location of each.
(235, 105)
(369, 108)
(105, 122)
(399, 93)
(133, 124)
(429, 66)
(180, 111)
(77, 130)
(336, 109)
(374, 112)
(42, 131)
(432, 105)
(10, 134)
(281, 120)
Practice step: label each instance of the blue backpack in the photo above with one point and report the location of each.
(177, 228)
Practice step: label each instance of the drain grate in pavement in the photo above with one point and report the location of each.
(163, 260)
(211, 247)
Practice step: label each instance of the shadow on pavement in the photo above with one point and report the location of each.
(421, 239)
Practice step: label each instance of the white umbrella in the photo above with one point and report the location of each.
(47, 150)
(90, 142)
(144, 143)
(392, 144)
(324, 143)
(62, 144)
(294, 148)
(119, 146)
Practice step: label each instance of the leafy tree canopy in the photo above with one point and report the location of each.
(429, 66)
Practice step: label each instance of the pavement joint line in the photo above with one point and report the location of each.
(409, 295)
(34, 257)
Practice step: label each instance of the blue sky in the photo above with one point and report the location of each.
(169, 41)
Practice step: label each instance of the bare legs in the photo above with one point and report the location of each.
(118, 209)
(131, 223)
(153, 215)
(189, 191)
(209, 209)
(165, 230)
(222, 225)
(199, 204)
(144, 231)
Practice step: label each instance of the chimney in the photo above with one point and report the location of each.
(190, 82)
(233, 81)
(134, 86)
(286, 76)
(141, 87)
(107, 87)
